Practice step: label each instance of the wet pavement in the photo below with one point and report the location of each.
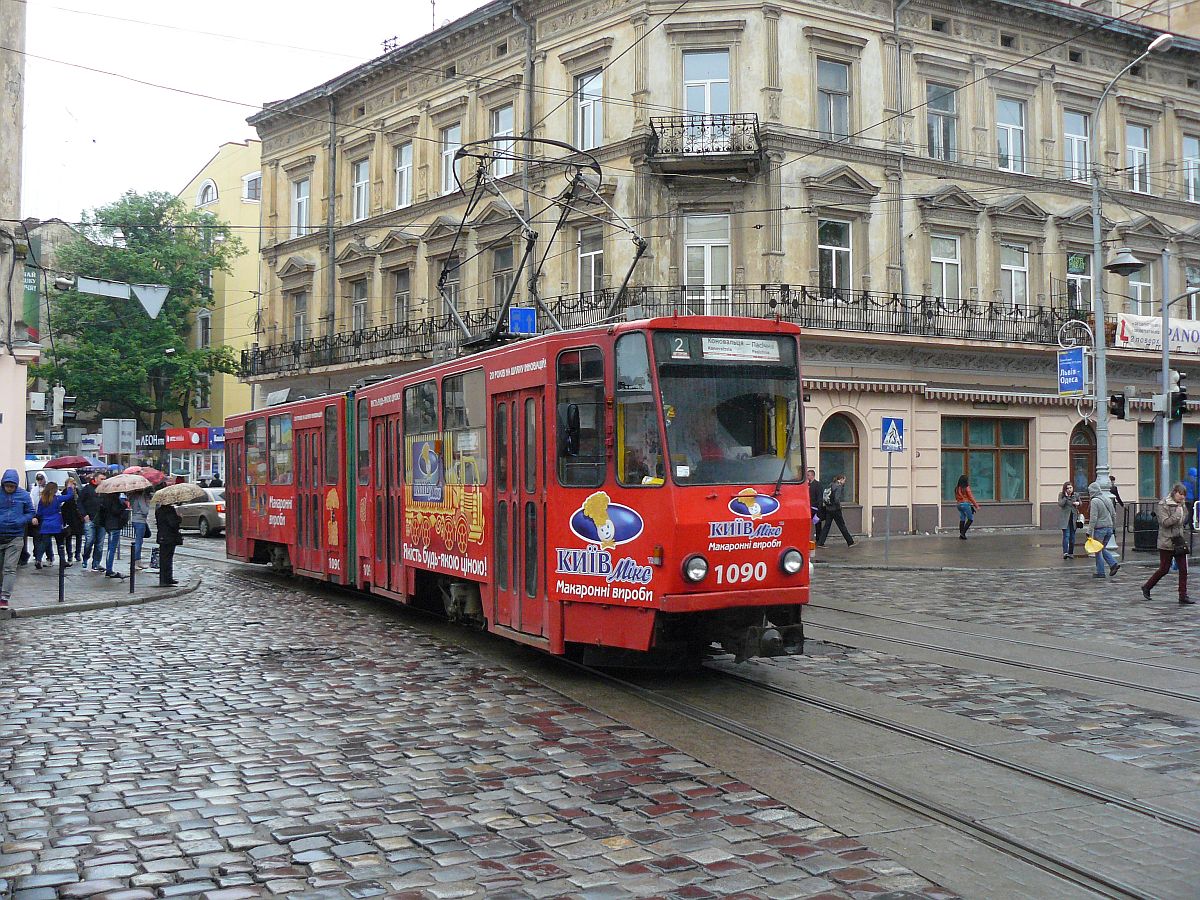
(248, 740)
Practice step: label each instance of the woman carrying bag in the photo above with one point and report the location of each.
(1068, 518)
(1172, 541)
(1102, 515)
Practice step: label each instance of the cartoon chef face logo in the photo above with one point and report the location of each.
(600, 521)
(749, 504)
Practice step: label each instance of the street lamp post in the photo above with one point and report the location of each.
(1162, 42)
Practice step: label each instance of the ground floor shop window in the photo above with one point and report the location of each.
(1182, 459)
(993, 453)
(839, 454)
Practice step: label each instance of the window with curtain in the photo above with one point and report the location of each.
(992, 453)
(838, 454)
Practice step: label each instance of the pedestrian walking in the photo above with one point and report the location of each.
(967, 507)
(167, 521)
(833, 497)
(1172, 541)
(113, 517)
(16, 514)
(73, 522)
(815, 503)
(89, 499)
(50, 525)
(1068, 517)
(31, 532)
(1116, 494)
(1102, 517)
(139, 510)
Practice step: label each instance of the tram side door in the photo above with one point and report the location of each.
(235, 498)
(518, 459)
(395, 480)
(381, 470)
(309, 452)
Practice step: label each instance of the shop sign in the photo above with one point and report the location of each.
(152, 441)
(216, 438)
(1145, 333)
(187, 438)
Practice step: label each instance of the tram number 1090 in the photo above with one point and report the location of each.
(734, 573)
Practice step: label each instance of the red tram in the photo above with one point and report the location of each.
(608, 492)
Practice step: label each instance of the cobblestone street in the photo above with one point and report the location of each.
(247, 741)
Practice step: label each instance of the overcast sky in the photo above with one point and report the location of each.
(91, 136)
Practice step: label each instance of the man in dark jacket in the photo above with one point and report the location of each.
(93, 537)
(16, 514)
(112, 519)
(833, 512)
(167, 522)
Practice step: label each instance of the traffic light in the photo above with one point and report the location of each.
(56, 409)
(1116, 406)
(1178, 394)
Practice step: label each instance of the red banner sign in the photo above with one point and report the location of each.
(187, 438)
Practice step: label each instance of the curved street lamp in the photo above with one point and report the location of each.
(1162, 42)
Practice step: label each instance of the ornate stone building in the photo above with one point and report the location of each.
(908, 181)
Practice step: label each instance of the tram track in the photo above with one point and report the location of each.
(1016, 663)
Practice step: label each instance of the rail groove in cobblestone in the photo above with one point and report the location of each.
(1047, 862)
(945, 743)
(1020, 664)
(929, 626)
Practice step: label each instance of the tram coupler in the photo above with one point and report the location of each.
(769, 640)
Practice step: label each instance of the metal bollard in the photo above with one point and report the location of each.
(62, 576)
(132, 567)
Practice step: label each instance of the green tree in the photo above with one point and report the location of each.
(109, 351)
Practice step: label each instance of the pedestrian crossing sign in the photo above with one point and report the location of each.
(893, 435)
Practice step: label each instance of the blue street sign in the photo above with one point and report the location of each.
(893, 435)
(1072, 372)
(522, 320)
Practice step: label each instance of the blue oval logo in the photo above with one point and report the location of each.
(600, 521)
(751, 505)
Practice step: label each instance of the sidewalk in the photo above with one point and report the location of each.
(36, 591)
(1025, 550)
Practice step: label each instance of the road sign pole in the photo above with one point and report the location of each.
(887, 514)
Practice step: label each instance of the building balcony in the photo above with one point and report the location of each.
(858, 312)
(728, 142)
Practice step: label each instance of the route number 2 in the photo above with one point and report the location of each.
(733, 573)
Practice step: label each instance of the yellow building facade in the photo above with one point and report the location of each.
(909, 182)
(230, 187)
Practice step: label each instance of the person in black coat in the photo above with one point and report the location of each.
(113, 516)
(93, 537)
(815, 503)
(167, 522)
(73, 522)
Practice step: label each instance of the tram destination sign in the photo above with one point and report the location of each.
(1072, 372)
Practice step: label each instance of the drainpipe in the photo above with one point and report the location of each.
(530, 41)
(899, 5)
(331, 249)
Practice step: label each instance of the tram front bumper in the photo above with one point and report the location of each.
(703, 602)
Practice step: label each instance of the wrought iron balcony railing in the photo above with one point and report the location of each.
(858, 311)
(705, 135)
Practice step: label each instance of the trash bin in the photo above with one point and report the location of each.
(1145, 531)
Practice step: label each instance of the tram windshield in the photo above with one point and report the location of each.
(731, 407)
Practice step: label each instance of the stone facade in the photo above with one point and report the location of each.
(913, 167)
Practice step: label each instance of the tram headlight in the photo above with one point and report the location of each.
(695, 568)
(791, 561)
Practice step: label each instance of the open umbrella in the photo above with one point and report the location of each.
(120, 484)
(154, 476)
(67, 462)
(178, 493)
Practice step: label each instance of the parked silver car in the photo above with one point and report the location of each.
(208, 514)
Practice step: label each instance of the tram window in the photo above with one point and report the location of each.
(363, 443)
(464, 405)
(731, 403)
(256, 452)
(331, 445)
(638, 446)
(279, 448)
(420, 419)
(399, 460)
(502, 547)
(531, 550)
(501, 426)
(580, 418)
(530, 444)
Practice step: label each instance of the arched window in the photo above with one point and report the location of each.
(839, 453)
(207, 193)
(1083, 458)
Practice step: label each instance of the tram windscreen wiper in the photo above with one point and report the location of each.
(787, 446)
